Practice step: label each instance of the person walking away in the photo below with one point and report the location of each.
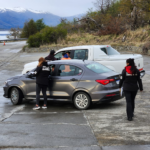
(131, 82)
(42, 72)
(51, 56)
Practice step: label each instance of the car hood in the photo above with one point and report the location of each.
(35, 63)
(15, 77)
(29, 66)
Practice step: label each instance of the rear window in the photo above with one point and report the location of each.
(110, 51)
(98, 68)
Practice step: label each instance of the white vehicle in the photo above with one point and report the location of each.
(103, 54)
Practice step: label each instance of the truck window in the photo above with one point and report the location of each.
(81, 54)
(104, 50)
(112, 51)
(58, 55)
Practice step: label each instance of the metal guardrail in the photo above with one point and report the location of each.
(20, 39)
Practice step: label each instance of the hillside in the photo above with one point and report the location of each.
(133, 38)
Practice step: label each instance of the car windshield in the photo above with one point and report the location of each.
(98, 68)
(112, 51)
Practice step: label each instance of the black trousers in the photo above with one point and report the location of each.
(38, 90)
(130, 100)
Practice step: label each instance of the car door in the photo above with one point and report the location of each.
(65, 81)
(30, 86)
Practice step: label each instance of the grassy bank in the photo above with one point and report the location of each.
(133, 38)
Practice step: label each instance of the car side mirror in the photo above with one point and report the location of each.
(30, 75)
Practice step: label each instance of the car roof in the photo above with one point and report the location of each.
(82, 47)
(70, 61)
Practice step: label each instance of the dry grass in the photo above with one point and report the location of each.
(133, 38)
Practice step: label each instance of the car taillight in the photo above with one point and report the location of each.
(105, 81)
(141, 69)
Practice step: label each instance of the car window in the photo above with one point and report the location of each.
(112, 51)
(98, 68)
(69, 70)
(104, 50)
(81, 54)
(58, 55)
(52, 69)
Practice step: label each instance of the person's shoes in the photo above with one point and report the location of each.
(36, 107)
(130, 119)
(44, 107)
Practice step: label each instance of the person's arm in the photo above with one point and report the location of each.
(122, 78)
(139, 81)
(37, 70)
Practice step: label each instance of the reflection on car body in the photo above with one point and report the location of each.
(84, 83)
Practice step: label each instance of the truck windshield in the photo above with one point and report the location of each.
(97, 68)
(112, 51)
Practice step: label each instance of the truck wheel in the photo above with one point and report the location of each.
(16, 96)
(81, 101)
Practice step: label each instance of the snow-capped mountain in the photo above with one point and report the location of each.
(16, 17)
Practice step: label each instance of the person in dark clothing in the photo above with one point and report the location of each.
(41, 72)
(131, 82)
(51, 56)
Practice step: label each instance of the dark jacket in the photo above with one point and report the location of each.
(130, 82)
(42, 74)
(50, 57)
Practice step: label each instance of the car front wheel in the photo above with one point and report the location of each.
(82, 100)
(16, 96)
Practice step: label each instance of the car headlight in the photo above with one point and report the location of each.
(7, 81)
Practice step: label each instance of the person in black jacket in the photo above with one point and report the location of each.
(131, 82)
(42, 72)
(51, 56)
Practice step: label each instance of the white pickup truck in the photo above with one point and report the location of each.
(103, 54)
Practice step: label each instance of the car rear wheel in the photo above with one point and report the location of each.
(82, 101)
(16, 96)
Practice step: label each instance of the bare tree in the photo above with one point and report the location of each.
(15, 32)
(103, 5)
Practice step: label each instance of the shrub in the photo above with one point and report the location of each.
(115, 26)
(35, 40)
(48, 35)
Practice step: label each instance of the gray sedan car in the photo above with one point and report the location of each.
(81, 82)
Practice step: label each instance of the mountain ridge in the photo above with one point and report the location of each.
(16, 17)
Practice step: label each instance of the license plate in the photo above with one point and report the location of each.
(117, 81)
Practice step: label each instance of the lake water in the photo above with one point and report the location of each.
(3, 35)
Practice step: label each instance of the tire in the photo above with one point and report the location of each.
(81, 101)
(16, 96)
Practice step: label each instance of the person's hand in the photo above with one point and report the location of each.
(141, 91)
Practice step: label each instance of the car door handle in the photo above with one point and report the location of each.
(73, 79)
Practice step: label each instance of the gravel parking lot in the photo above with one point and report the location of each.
(61, 126)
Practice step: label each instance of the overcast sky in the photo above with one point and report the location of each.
(58, 7)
